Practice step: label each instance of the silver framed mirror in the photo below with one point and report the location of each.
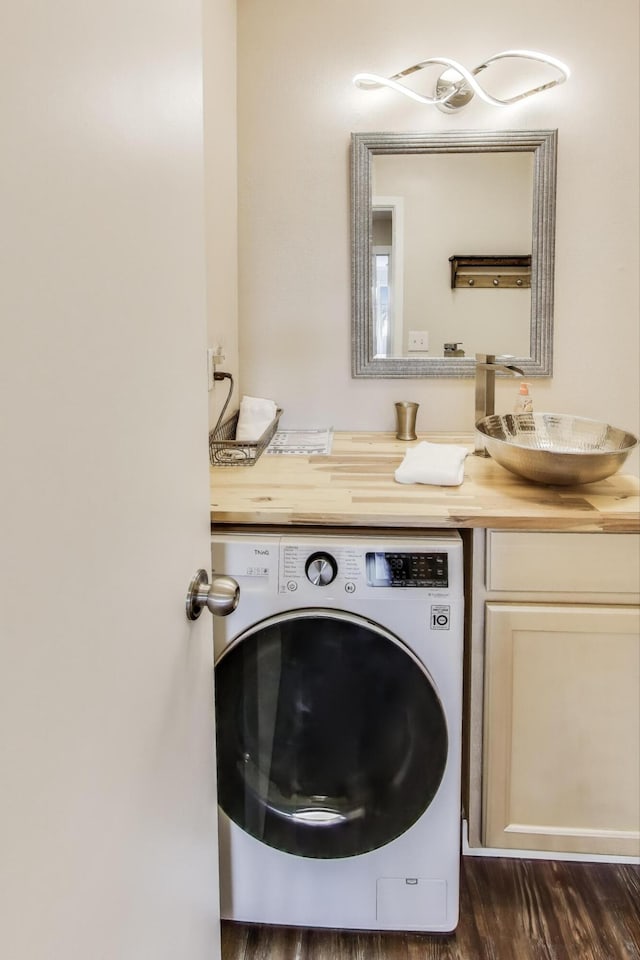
(443, 270)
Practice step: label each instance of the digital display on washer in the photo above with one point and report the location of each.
(385, 569)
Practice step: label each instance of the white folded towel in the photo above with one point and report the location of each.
(440, 464)
(254, 417)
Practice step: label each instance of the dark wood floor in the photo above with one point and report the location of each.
(509, 910)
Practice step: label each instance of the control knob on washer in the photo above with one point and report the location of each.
(321, 569)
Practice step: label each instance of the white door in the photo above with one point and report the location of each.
(107, 792)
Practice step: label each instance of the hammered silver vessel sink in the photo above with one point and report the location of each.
(555, 448)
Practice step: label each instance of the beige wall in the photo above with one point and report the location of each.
(221, 187)
(297, 107)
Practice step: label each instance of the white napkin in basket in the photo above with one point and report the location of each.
(254, 417)
(440, 464)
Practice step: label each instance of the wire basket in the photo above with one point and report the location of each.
(226, 451)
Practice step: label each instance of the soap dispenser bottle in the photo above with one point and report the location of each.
(524, 401)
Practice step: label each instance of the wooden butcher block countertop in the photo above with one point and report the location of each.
(354, 487)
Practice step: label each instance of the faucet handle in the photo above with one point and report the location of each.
(487, 361)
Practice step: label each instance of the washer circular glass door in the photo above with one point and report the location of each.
(331, 737)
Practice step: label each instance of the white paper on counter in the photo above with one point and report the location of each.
(302, 442)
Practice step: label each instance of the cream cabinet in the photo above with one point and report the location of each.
(555, 745)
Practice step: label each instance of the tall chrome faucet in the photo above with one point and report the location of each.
(486, 368)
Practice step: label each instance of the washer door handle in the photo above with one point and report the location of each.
(220, 597)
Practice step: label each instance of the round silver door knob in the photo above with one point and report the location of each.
(221, 596)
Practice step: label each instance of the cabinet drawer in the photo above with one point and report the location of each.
(563, 562)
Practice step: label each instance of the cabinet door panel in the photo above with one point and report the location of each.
(562, 728)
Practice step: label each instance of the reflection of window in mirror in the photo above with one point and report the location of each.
(383, 319)
(387, 246)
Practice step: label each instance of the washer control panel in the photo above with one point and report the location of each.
(400, 569)
(353, 568)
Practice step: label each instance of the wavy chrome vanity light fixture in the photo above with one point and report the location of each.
(456, 85)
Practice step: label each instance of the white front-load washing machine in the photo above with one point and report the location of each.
(338, 721)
